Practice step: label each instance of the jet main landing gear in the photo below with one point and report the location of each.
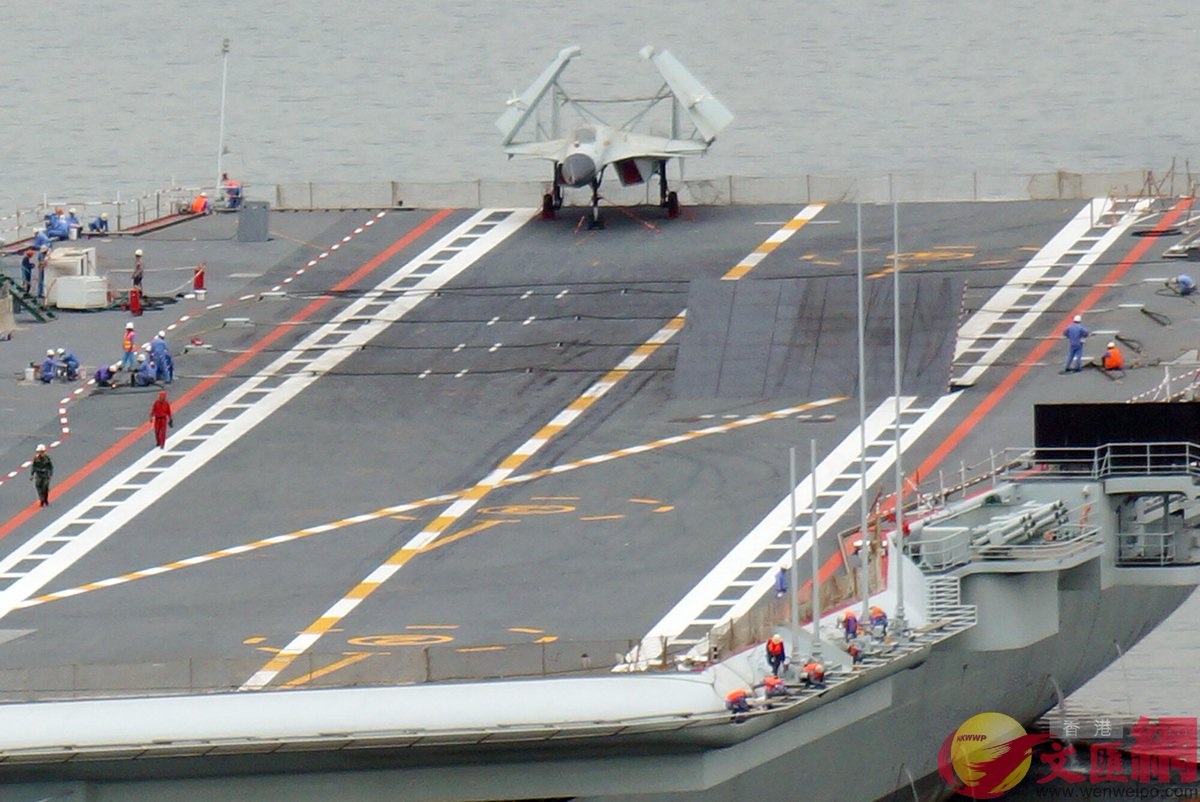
(666, 197)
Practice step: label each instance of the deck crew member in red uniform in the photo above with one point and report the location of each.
(160, 416)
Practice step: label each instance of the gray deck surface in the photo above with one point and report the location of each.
(599, 552)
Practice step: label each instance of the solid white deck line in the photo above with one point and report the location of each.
(1031, 281)
(262, 405)
(840, 463)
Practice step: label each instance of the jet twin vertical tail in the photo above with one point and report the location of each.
(520, 108)
(709, 114)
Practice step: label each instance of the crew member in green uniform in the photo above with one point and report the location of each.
(41, 472)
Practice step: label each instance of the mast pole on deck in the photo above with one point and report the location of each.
(864, 550)
(897, 554)
(221, 127)
(794, 573)
(816, 562)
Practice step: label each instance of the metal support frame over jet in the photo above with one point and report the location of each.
(581, 155)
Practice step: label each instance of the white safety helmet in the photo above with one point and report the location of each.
(138, 252)
(71, 210)
(1078, 318)
(141, 357)
(103, 215)
(129, 325)
(1112, 345)
(204, 194)
(114, 367)
(49, 352)
(41, 447)
(62, 351)
(162, 334)
(38, 230)
(146, 347)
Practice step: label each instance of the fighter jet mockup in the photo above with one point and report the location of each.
(581, 154)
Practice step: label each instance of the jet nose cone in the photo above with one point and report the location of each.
(578, 170)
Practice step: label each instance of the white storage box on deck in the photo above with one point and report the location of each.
(71, 262)
(67, 263)
(81, 292)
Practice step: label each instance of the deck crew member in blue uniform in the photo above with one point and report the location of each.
(162, 357)
(70, 362)
(49, 367)
(40, 240)
(27, 264)
(100, 224)
(74, 224)
(1182, 284)
(106, 375)
(56, 225)
(146, 373)
(1075, 334)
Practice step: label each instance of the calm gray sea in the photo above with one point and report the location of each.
(110, 95)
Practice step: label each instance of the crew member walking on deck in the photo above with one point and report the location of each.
(160, 416)
(776, 654)
(40, 472)
(1075, 334)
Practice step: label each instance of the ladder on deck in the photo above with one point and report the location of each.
(27, 301)
(945, 598)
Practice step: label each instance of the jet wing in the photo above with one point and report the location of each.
(709, 114)
(521, 107)
(647, 146)
(546, 149)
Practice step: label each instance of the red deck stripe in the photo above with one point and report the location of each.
(115, 449)
(1041, 349)
(1019, 372)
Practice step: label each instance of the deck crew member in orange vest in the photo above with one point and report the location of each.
(1112, 359)
(129, 348)
(738, 701)
(233, 191)
(200, 204)
(813, 674)
(775, 654)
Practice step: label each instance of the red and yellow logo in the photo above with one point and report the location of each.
(988, 755)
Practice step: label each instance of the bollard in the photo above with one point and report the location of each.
(198, 276)
(135, 301)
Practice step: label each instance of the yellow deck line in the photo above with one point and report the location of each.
(329, 669)
(387, 512)
(468, 499)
